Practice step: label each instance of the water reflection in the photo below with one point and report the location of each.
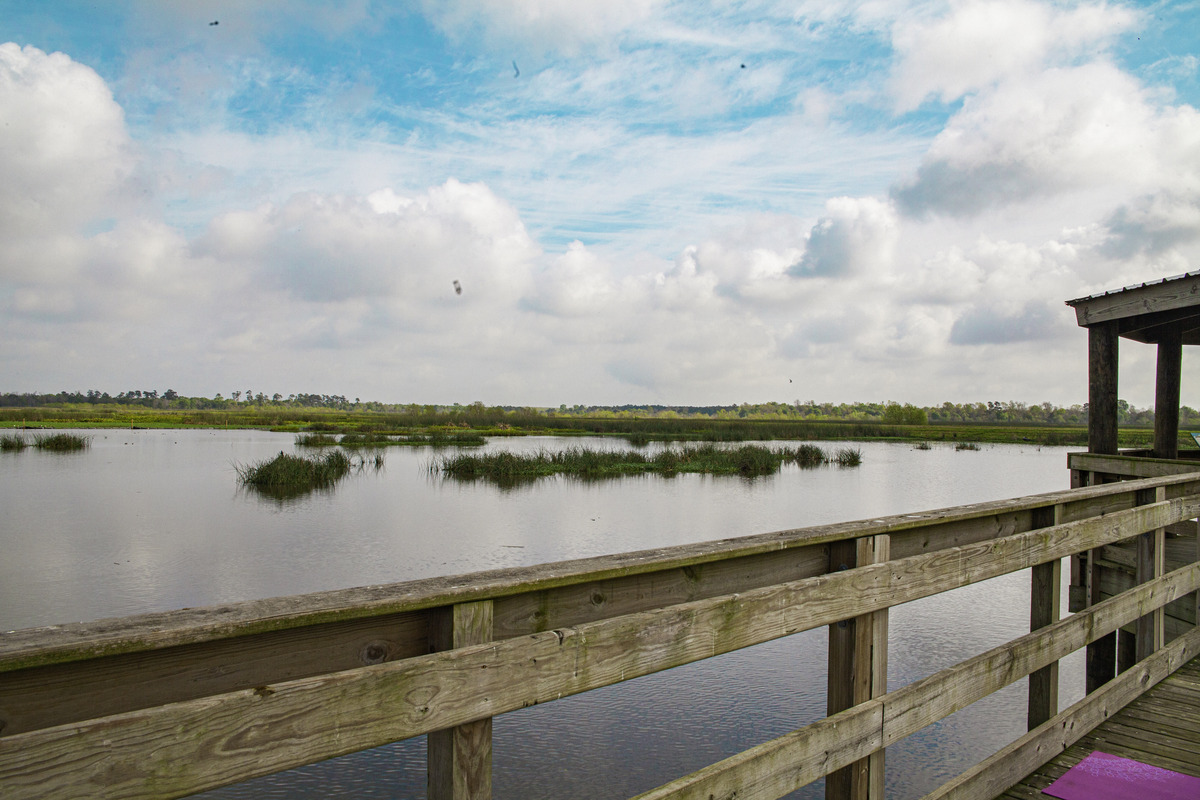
(154, 520)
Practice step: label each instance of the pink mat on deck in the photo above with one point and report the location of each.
(1104, 777)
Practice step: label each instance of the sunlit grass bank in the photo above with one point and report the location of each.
(747, 460)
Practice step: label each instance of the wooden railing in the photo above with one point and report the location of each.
(164, 705)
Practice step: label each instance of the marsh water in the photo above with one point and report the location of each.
(148, 520)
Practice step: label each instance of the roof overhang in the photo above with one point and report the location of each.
(1143, 313)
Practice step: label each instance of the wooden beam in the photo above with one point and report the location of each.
(1044, 609)
(1166, 395)
(187, 747)
(1103, 344)
(1151, 563)
(782, 765)
(1100, 661)
(1153, 298)
(910, 534)
(857, 670)
(460, 758)
(1011, 764)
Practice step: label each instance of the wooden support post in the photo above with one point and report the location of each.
(1102, 388)
(1166, 394)
(1101, 658)
(1044, 609)
(858, 669)
(460, 758)
(1103, 344)
(1151, 552)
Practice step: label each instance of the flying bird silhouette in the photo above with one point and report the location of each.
(457, 287)
(214, 22)
(516, 70)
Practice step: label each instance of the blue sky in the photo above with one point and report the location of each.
(643, 201)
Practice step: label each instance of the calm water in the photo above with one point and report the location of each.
(154, 520)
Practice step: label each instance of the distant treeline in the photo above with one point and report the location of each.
(887, 413)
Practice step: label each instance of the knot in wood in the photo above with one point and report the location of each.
(373, 653)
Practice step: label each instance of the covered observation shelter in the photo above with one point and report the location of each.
(1165, 314)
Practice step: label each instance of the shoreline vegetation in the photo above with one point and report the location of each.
(508, 469)
(365, 425)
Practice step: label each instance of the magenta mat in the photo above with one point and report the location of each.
(1101, 776)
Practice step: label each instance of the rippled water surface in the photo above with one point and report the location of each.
(152, 520)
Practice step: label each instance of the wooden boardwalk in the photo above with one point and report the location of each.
(1160, 728)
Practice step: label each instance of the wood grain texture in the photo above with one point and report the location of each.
(787, 763)
(86, 641)
(194, 745)
(1166, 394)
(1011, 764)
(460, 758)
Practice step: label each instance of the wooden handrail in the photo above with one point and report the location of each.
(782, 765)
(214, 696)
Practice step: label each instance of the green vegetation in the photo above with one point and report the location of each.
(468, 425)
(291, 476)
(316, 440)
(966, 446)
(747, 460)
(11, 442)
(62, 442)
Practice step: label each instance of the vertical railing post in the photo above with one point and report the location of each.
(1101, 658)
(857, 669)
(460, 758)
(1151, 552)
(1044, 609)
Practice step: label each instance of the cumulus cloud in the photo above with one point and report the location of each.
(385, 246)
(1060, 131)
(66, 149)
(988, 325)
(979, 44)
(1153, 224)
(856, 235)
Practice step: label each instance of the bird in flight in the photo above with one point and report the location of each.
(457, 287)
(516, 70)
(215, 22)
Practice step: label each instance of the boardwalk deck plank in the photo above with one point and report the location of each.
(1161, 728)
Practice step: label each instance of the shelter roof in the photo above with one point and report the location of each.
(1144, 312)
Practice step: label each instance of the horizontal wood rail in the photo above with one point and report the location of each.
(164, 705)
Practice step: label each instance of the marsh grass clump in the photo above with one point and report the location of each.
(922, 446)
(62, 442)
(848, 457)
(315, 440)
(291, 476)
(365, 441)
(808, 455)
(966, 446)
(747, 460)
(10, 442)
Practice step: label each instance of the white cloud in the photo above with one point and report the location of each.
(856, 236)
(1060, 131)
(63, 139)
(978, 44)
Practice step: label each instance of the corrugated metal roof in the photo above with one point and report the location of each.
(1135, 286)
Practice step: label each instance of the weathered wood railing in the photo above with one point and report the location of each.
(164, 705)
